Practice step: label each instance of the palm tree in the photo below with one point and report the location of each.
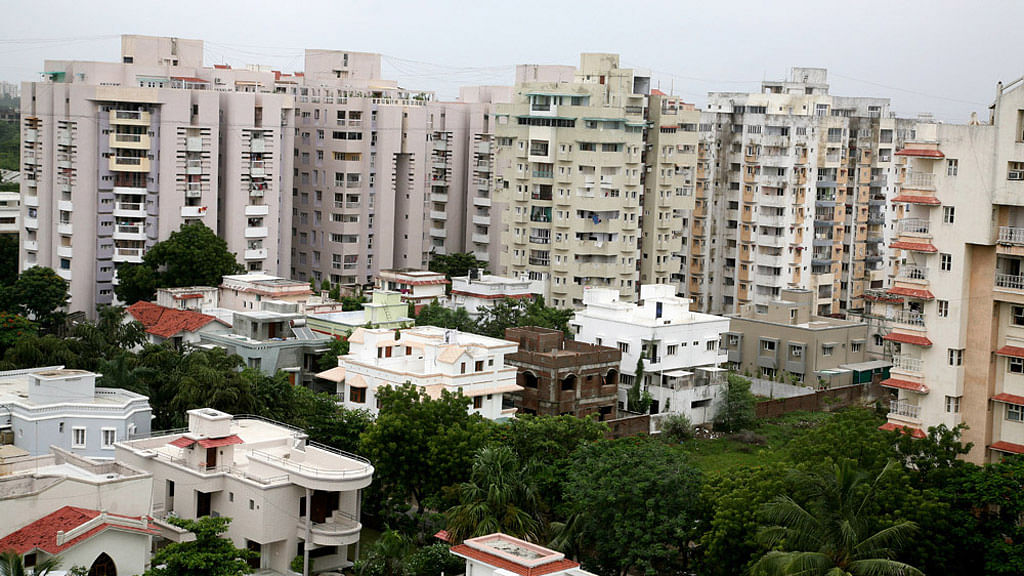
(387, 555)
(833, 535)
(499, 497)
(11, 564)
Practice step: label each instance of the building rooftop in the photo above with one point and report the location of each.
(67, 527)
(514, 555)
(659, 307)
(16, 389)
(166, 322)
(26, 475)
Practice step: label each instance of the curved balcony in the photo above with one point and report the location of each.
(338, 530)
(318, 467)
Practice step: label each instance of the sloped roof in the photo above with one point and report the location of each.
(560, 565)
(167, 322)
(451, 354)
(907, 339)
(920, 294)
(914, 432)
(915, 246)
(336, 374)
(904, 385)
(1007, 447)
(1015, 351)
(42, 534)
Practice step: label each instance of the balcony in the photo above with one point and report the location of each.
(910, 318)
(438, 215)
(481, 201)
(129, 141)
(130, 209)
(195, 190)
(193, 211)
(256, 254)
(913, 273)
(256, 232)
(31, 245)
(257, 210)
(907, 364)
(129, 190)
(1009, 282)
(481, 220)
(193, 167)
(63, 228)
(257, 169)
(481, 238)
(317, 467)
(31, 223)
(258, 145)
(64, 273)
(133, 255)
(915, 226)
(1011, 235)
(438, 197)
(30, 135)
(65, 251)
(338, 530)
(919, 181)
(438, 233)
(129, 118)
(128, 164)
(194, 144)
(904, 409)
(129, 232)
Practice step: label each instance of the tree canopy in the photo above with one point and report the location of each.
(512, 312)
(457, 264)
(210, 554)
(39, 294)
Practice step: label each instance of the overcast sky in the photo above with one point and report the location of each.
(938, 56)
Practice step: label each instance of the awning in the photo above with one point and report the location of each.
(183, 442)
(905, 385)
(918, 293)
(915, 199)
(907, 339)
(914, 432)
(868, 365)
(500, 389)
(1014, 351)
(355, 381)
(1008, 447)
(1009, 399)
(915, 246)
(921, 153)
(218, 442)
(336, 374)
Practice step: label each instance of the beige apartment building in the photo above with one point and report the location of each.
(791, 192)
(957, 304)
(786, 338)
(595, 170)
(116, 156)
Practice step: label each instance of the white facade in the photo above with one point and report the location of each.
(46, 407)
(279, 488)
(680, 348)
(503, 555)
(474, 293)
(420, 287)
(433, 359)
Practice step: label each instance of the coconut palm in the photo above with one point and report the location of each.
(387, 554)
(498, 498)
(833, 534)
(11, 564)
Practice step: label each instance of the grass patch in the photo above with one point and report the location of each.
(731, 451)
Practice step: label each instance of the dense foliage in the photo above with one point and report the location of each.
(208, 555)
(457, 264)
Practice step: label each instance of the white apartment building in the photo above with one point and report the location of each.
(116, 156)
(417, 287)
(957, 304)
(595, 171)
(91, 514)
(792, 189)
(503, 555)
(433, 359)
(680, 347)
(479, 290)
(44, 407)
(287, 496)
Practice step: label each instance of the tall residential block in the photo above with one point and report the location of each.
(594, 173)
(957, 303)
(116, 156)
(791, 193)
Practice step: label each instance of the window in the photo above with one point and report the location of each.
(796, 351)
(252, 504)
(1015, 171)
(231, 496)
(109, 437)
(942, 308)
(1015, 365)
(952, 166)
(1018, 316)
(856, 346)
(768, 345)
(671, 350)
(956, 356)
(945, 262)
(827, 349)
(463, 369)
(357, 395)
(479, 366)
(953, 404)
(478, 402)
(624, 347)
(78, 437)
(948, 214)
(1015, 412)
(711, 345)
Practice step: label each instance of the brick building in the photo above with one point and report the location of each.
(562, 376)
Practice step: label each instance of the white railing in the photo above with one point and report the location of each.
(909, 272)
(907, 363)
(1011, 235)
(914, 226)
(919, 179)
(1012, 281)
(909, 318)
(904, 409)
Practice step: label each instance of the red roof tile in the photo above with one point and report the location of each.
(914, 432)
(1015, 351)
(182, 442)
(904, 385)
(1007, 447)
(916, 199)
(443, 535)
(190, 79)
(218, 442)
(498, 562)
(42, 534)
(907, 339)
(921, 152)
(918, 293)
(167, 322)
(915, 246)
(1009, 399)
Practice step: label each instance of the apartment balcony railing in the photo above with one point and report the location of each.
(907, 363)
(909, 318)
(1011, 235)
(910, 272)
(919, 180)
(1010, 281)
(901, 408)
(914, 226)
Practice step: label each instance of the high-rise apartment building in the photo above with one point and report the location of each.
(116, 156)
(595, 170)
(957, 303)
(790, 193)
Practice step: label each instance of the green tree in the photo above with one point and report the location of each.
(14, 328)
(35, 351)
(433, 560)
(414, 433)
(110, 336)
(513, 312)
(8, 258)
(832, 533)
(212, 379)
(387, 555)
(12, 564)
(637, 502)
(452, 265)
(638, 398)
(336, 347)
(434, 314)
(210, 554)
(192, 256)
(738, 412)
(499, 497)
(351, 303)
(40, 294)
(675, 428)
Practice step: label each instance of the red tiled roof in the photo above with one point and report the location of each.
(915, 246)
(502, 563)
(443, 535)
(1015, 351)
(915, 199)
(218, 442)
(656, 92)
(42, 534)
(166, 322)
(1009, 399)
(182, 442)
(187, 296)
(914, 432)
(912, 292)
(921, 152)
(190, 79)
(904, 385)
(1007, 447)
(907, 339)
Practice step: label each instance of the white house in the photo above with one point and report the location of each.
(420, 287)
(680, 347)
(503, 555)
(479, 290)
(432, 358)
(43, 407)
(287, 496)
